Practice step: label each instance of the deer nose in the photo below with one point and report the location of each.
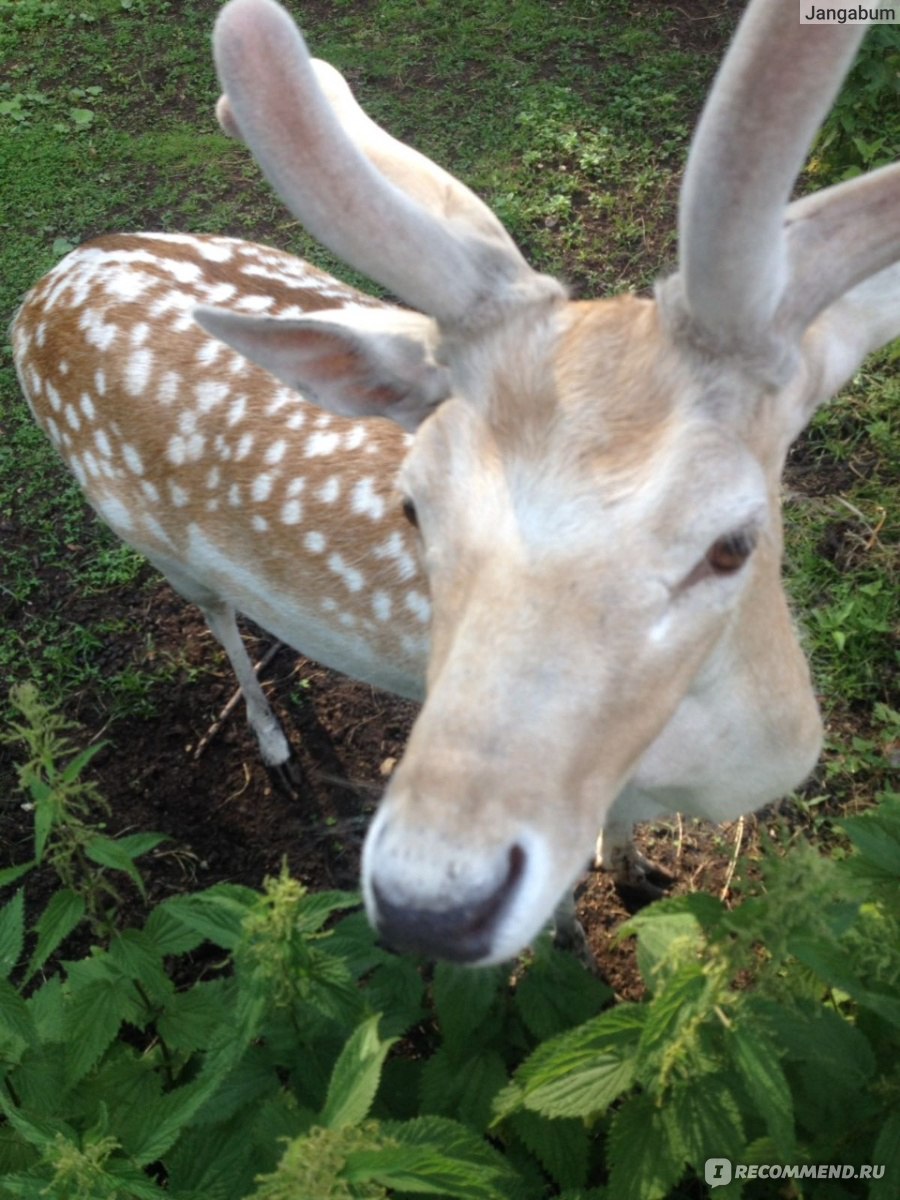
(460, 932)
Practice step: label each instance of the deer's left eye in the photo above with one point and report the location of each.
(728, 554)
(724, 557)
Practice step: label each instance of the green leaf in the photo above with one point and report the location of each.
(216, 914)
(463, 998)
(876, 835)
(886, 1153)
(758, 1064)
(678, 997)
(92, 1015)
(12, 933)
(355, 1078)
(11, 875)
(704, 1120)
(671, 930)
(65, 910)
(15, 1019)
(316, 907)
(581, 1072)
(463, 1088)
(106, 852)
(557, 993)
(74, 768)
(836, 965)
(434, 1157)
(136, 844)
(190, 1020)
(562, 1147)
(644, 1163)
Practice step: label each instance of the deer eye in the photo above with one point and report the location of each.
(724, 557)
(728, 554)
(409, 511)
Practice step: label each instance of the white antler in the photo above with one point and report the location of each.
(740, 265)
(451, 259)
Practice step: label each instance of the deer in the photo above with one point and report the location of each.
(554, 522)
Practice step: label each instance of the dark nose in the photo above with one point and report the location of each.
(462, 933)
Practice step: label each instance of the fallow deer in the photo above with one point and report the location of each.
(579, 570)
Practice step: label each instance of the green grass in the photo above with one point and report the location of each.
(572, 121)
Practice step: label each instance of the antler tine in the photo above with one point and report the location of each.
(442, 263)
(777, 82)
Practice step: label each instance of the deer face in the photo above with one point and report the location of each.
(589, 527)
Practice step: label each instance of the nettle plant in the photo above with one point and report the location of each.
(243, 1045)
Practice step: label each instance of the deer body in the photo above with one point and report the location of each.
(590, 600)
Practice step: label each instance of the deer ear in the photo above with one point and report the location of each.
(365, 362)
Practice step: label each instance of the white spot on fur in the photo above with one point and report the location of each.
(169, 387)
(366, 501)
(87, 406)
(180, 497)
(100, 382)
(254, 303)
(418, 605)
(244, 446)
(215, 251)
(236, 411)
(353, 578)
(348, 620)
(72, 417)
(234, 495)
(260, 524)
(209, 352)
(295, 487)
(132, 459)
(213, 478)
(102, 443)
(176, 451)
(356, 437)
(282, 397)
(322, 443)
(291, 512)
(150, 490)
(382, 606)
(137, 372)
(90, 462)
(315, 542)
(275, 452)
(330, 490)
(210, 392)
(140, 333)
(394, 549)
(54, 397)
(296, 420)
(261, 488)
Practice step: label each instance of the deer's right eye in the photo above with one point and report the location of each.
(409, 511)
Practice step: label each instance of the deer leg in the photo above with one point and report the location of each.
(282, 766)
(637, 880)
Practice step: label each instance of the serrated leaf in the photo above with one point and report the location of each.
(581, 1072)
(165, 1120)
(463, 1088)
(833, 963)
(169, 934)
(434, 1157)
(138, 958)
(353, 940)
(65, 910)
(355, 1077)
(316, 907)
(644, 1165)
(11, 875)
(396, 989)
(46, 1008)
(216, 914)
(40, 1132)
(190, 1020)
(876, 835)
(557, 993)
(12, 933)
(758, 1065)
(562, 1147)
(463, 998)
(677, 999)
(92, 1015)
(669, 931)
(15, 1019)
(704, 1120)
(886, 1153)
